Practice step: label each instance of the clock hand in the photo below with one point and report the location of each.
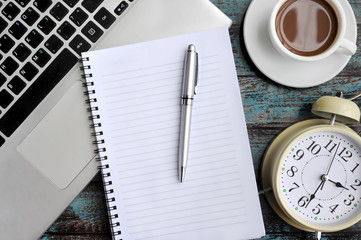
(313, 195)
(333, 158)
(338, 184)
(330, 164)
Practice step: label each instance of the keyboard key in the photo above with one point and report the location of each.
(17, 30)
(121, 7)
(2, 79)
(59, 11)
(42, 5)
(21, 52)
(5, 98)
(30, 16)
(71, 3)
(66, 30)
(9, 66)
(53, 44)
(22, 3)
(32, 96)
(91, 5)
(41, 57)
(46, 25)
(79, 44)
(92, 31)
(3, 24)
(10, 11)
(6, 43)
(78, 17)
(104, 18)
(34, 38)
(16, 85)
(29, 71)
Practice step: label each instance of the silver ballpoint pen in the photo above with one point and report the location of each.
(189, 87)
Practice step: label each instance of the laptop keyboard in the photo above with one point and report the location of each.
(40, 42)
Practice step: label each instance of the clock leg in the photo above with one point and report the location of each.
(318, 235)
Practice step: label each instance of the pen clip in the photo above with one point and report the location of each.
(196, 80)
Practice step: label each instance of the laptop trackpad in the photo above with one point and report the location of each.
(60, 145)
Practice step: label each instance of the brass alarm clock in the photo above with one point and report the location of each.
(311, 172)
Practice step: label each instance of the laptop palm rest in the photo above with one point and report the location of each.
(49, 148)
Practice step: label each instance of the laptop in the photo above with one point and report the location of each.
(46, 145)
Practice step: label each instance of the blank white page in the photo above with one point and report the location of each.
(138, 90)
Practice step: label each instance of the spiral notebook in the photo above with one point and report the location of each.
(134, 96)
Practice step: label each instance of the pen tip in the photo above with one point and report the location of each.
(182, 174)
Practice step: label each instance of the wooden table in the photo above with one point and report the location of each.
(269, 108)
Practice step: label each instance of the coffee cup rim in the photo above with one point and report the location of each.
(283, 50)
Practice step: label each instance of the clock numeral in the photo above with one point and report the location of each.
(317, 209)
(349, 200)
(291, 172)
(314, 148)
(296, 186)
(329, 147)
(353, 170)
(303, 201)
(345, 154)
(333, 208)
(299, 154)
(357, 184)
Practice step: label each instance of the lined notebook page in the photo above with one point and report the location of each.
(138, 89)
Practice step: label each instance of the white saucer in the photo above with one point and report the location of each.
(280, 69)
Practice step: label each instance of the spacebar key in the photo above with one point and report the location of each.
(31, 98)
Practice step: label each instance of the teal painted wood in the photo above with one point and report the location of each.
(85, 218)
(269, 109)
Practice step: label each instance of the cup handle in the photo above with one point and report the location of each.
(347, 47)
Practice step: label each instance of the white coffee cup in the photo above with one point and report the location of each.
(340, 43)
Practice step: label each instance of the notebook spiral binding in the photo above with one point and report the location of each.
(102, 158)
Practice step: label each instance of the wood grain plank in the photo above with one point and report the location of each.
(85, 216)
(75, 237)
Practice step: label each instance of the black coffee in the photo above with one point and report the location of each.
(306, 27)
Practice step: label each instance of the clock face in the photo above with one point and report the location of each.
(320, 178)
